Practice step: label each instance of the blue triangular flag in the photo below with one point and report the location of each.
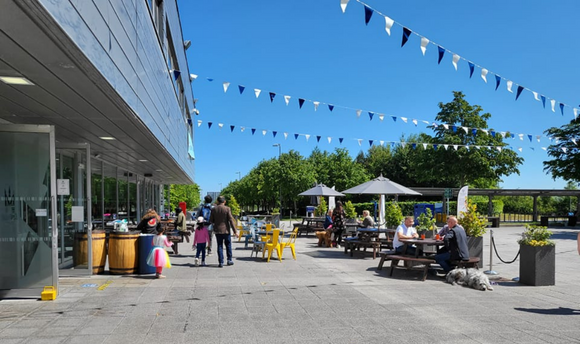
(530, 137)
(473, 131)
(544, 101)
(368, 14)
(435, 147)
(441, 53)
(330, 107)
(175, 73)
(232, 128)
(318, 138)
(454, 128)
(272, 95)
(242, 88)
(300, 102)
(497, 81)
(370, 142)
(209, 125)
(406, 34)
(371, 115)
(414, 145)
(394, 118)
(519, 91)
(471, 68)
(274, 133)
(512, 135)
(296, 136)
(562, 109)
(492, 133)
(209, 79)
(253, 131)
(340, 139)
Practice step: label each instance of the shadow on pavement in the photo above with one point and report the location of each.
(552, 311)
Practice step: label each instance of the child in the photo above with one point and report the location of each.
(158, 256)
(200, 240)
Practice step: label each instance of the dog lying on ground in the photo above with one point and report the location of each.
(472, 278)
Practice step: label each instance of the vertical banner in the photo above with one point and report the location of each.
(462, 201)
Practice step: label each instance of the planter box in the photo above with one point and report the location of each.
(538, 265)
(475, 246)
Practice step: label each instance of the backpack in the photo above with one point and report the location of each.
(206, 212)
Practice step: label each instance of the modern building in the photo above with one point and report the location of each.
(95, 118)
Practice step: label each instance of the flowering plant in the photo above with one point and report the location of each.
(536, 236)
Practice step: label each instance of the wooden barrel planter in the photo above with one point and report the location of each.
(123, 253)
(80, 250)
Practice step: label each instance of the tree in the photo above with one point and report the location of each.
(188, 193)
(566, 156)
(377, 160)
(458, 166)
(293, 176)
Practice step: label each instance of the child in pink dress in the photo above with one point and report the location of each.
(200, 240)
(158, 256)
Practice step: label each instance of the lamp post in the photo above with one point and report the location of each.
(279, 145)
(239, 175)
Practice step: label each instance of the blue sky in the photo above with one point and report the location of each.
(311, 50)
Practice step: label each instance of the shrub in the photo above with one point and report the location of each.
(426, 220)
(349, 210)
(536, 236)
(393, 214)
(322, 208)
(472, 222)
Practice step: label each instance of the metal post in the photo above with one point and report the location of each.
(490, 271)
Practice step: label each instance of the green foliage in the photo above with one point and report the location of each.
(535, 235)
(188, 193)
(426, 221)
(566, 156)
(393, 215)
(322, 208)
(349, 210)
(234, 206)
(472, 221)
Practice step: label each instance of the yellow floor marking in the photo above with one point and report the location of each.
(104, 285)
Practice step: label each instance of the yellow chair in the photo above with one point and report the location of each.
(268, 236)
(273, 245)
(290, 243)
(242, 231)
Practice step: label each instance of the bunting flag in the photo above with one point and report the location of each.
(329, 139)
(287, 99)
(318, 138)
(232, 128)
(343, 4)
(264, 132)
(562, 109)
(253, 131)
(484, 74)
(544, 101)
(300, 102)
(388, 24)
(471, 69)
(368, 14)
(316, 105)
(330, 107)
(226, 85)
(509, 86)
(257, 92)
(424, 42)
(241, 88)
(285, 136)
(209, 125)
(198, 123)
(553, 102)
(359, 142)
(209, 79)
(455, 60)
(406, 34)
(220, 125)
(370, 143)
(192, 77)
(358, 112)
(296, 136)
(575, 113)
(340, 139)
(274, 133)
(175, 73)
(536, 96)
(441, 53)
(519, 91)
(272, 95)
(497, 81)
(371, 115)
(307, 137)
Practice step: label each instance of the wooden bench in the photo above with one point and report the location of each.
(395, 258)
(473, 262)
(385, 255)
(353, 244)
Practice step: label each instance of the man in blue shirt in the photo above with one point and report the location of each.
(456, 244)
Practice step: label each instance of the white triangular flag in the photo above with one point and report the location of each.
(485, 131)
(404, 119)
(221, 125)
(424, 146)
(455, 146)
(285, 136)
(307, 137)
(455, 60)
(424, 42)
(316, 105)
(358, 112)
(192, 77)
(574, 140)
(502, 133)
(287, 99)
(382, 142)
(426, 122)
(446, 126)
(484, 74)
(388, 24)
(553, 102)
(520, 149)
(521, 136)
(343, 4)
(467, 147)
(544, 148)
(226, 85)
(415, 122)
(198, 122)
(564, 149)
(242, 129)
(403, 144)
(359, 142)
(445, 146)
(538, 137)
(264, 132)
(381, 116)
(575, 113)
(466, 129)
(536, 95)
(257, 92)
(329, 139)
(509, 86)
(498, 149)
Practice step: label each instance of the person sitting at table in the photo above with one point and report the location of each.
(405, 231)
(456, 244)
(368, 221)
(443, 231)
(328, 219)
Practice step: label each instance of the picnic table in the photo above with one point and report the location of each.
(310, 225)
(369, 238)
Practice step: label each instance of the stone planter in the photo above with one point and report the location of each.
(475, 246)
(538, 265)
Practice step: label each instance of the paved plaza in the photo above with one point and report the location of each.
(324, 296)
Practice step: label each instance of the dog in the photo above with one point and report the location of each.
(472, 278)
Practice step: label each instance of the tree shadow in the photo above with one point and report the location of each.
(551, 311)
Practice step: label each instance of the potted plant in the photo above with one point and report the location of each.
(537, 256)
(322, 209)
(350, 212)
(426, 223)
(393, 215)
(474, 225)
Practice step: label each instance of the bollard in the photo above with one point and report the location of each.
(490, 271)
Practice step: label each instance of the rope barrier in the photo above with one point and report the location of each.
(495, 249)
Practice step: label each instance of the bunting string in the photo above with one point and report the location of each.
(406, 120)
(424, 41)
(371, 142)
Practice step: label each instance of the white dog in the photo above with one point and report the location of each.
(472, 278)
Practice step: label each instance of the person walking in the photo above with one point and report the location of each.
(338, 223)
(222, 220)
(204, 211)
(181, 224)
(158, 256)
(200, 239)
